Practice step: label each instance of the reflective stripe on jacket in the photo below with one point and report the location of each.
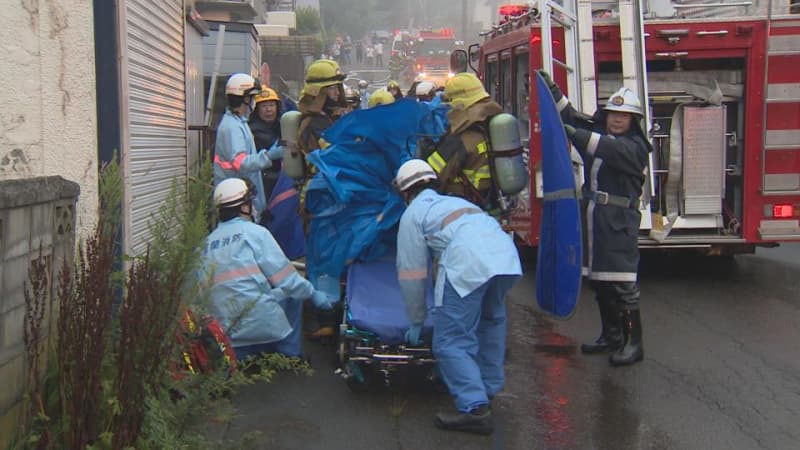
(235, 155)
(469, 245)
(249, 275)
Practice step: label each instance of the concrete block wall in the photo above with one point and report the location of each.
(35, 213)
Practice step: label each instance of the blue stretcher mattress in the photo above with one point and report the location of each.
(376, 303)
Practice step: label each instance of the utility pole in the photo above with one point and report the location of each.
(464, 6)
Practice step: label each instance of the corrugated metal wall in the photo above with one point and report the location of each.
(153, 91)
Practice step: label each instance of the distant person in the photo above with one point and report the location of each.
(379, 54)
(370, 55)
(359, 52)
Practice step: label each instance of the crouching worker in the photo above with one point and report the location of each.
(478, 264)
(256, 294)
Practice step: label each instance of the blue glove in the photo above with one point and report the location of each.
(275, 152)
(412, 335)
(322, 301)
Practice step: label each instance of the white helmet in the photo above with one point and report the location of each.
(412, 172)
(425, 88)
(232, 192)
(242, 84)
(624, 100)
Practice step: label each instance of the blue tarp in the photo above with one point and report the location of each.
(354, 206)
(286, 226)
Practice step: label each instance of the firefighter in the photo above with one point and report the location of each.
(380, 97)
(615, 152)
(322, 102)
(365, 95)
(477, 265)
(394, 88)
(353, 98)
(461, 157)
(266, 128)
(235, 152)
(425, 91)
(255, 291)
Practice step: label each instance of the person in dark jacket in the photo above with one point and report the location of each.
(266, 127)
(615, 153)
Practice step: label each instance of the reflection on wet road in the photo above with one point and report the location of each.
(721, 371)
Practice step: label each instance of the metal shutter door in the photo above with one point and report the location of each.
(153, 90)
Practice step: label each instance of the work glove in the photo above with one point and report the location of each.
(570, 130)
(322, 301)
(275, 152)
(554, 89)
(413, 334)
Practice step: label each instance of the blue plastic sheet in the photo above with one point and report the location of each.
(558, 269)
(286, 226)
(354, 206)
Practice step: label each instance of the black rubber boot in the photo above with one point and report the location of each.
(633, 351)
(478, 421)
(611, 335)
(326, 330)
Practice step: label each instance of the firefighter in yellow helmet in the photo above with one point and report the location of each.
(265, 125)
(394, 88)
(322, 102)
(380, 97)
(461, 157)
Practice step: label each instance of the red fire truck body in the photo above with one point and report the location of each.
(432, 50)
(739, 186)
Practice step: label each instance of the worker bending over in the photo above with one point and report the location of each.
(477, 265)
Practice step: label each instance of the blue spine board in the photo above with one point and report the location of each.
(558, 270)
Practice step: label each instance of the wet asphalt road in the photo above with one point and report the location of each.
(721, 371)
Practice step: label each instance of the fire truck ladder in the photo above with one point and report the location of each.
(575, 16)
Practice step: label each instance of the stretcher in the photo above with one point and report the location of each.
(372, 332)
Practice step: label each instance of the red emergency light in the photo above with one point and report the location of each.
(782, 211)
(513, 10)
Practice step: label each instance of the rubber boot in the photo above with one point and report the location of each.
(611, 335)
(478, 421)
(633, 351)
(326, 330)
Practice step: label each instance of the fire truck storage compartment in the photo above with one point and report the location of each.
(708, 173)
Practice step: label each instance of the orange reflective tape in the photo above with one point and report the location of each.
(237, 163)
(282, 274)
(282, 196)
(225, 165)
(237, 273)
(413, 274)
(456, 214)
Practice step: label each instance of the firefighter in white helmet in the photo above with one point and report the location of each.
(477, 265)
(235, 153)
(256, 294)
(615, 153)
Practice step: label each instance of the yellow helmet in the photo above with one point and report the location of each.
(266, 95)
(464, 90)
(393, 84)
(380, 97)
(322, 73)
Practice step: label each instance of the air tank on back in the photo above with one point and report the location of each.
(293, 161)
(511, 174)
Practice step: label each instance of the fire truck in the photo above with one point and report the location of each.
(721, 84)
(432, 54)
